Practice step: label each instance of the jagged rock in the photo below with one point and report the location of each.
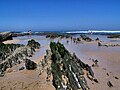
(88, 68)
(109, 84)
(63, 63)
(5, 36)
(84, 37)
(7, 49)
(40, 67)
(89, 76)
(32, 43)
(12, 54)
(30, 65)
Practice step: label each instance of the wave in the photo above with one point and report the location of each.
(94, 31)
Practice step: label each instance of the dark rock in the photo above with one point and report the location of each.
(5, 36)
(32, 43)
(97, 39)
(109, 84)
(70, 66)
(107, 74)
(21, 68)
(93, 65)
(115, 77)
(30, 65)
(88, 68)
(84, 37)
(95, 80)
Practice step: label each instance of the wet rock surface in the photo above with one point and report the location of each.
(84, 37)
(67, 69)
(32, 43)
(5, 36)
(13, 54)
(30, 65)
(108, 44)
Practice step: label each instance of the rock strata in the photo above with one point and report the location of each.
(32, 43)
(67, 69)
(5, 36)
(13, 54)
(30, 65)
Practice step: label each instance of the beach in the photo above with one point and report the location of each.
(108, 64)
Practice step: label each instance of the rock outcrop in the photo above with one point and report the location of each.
(16, 57)
(32, 43)
(12, 54)
(45, 62)
(30, 65)
(84, 37)
(7, 49)
(5, 36)
(108, 44)
(67, 69)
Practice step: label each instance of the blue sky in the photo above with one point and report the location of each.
(59, 14)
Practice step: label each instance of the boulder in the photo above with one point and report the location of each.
(5, 36)
(32, 43)
(30, 65)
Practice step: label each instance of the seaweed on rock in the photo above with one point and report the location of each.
(12, 54)
(33, 43)
(70, 66)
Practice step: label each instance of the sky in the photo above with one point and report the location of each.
(59, 15)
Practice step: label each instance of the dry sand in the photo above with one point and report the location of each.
(11, 41)
(26, 79)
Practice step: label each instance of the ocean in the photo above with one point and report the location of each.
(78, 32)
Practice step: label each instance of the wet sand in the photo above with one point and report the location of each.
(108, 61)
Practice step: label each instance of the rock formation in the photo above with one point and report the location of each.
(5, 36)
(84, 37)
(12, 54)
(32, 43)
(108, 44)
(67, 69)
(30, 65)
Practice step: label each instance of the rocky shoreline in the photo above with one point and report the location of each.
(67, 70)
(13, 54)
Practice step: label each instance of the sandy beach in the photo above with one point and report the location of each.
(108, 61)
